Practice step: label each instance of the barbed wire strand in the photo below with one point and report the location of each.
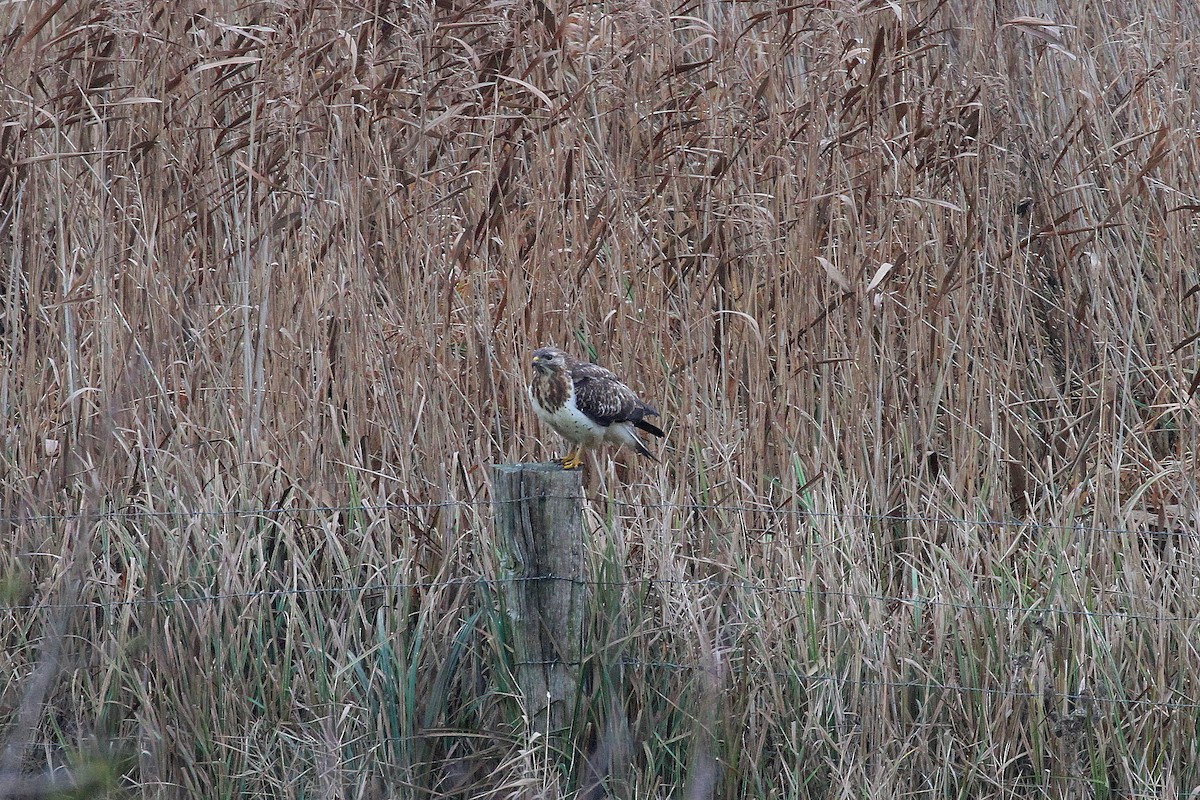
(683, 666)
(712, 583)
(273, 511)
(913, 601)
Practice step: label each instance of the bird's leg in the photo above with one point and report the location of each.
(574, 460)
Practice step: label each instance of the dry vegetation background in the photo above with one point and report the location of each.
(913, 283)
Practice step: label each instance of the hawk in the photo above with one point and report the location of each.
(586, 405)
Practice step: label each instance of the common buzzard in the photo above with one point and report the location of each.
(586, 405)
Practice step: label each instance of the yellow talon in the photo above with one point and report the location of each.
(573, 461)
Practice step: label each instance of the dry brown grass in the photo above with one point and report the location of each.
(293, 257)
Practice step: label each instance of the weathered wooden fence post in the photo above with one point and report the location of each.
(539, 526)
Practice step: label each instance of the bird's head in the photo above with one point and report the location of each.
(547, 360)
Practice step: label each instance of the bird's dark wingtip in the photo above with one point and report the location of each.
(649, 427)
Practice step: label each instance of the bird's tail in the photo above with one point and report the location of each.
(649, 427)
(641, 448)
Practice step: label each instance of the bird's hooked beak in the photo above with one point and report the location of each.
(546, 361)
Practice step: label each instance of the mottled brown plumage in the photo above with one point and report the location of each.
(551, 389)
(586, 404)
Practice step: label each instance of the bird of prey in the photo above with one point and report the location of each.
(586, 405)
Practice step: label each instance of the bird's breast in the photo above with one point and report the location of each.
(550, 392)
(565, 418)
